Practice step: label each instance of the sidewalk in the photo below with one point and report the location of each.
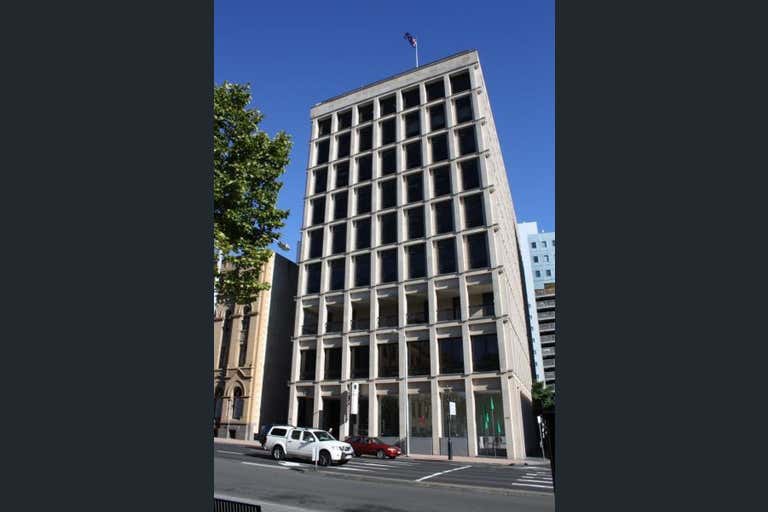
(531, 461)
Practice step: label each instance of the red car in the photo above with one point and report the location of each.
(372, 446)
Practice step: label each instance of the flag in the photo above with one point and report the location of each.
(412, 40)
(491, 403)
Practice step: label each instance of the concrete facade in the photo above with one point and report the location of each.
(424, 305)
(546, 307)
(246, 338)
(524, 232)
(542, 250)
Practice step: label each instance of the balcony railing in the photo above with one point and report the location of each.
(388, 321)
(546, 315)
(309, 328)
(480, 310)
(416, 317)
(549, 338)
(447, 314)
(545, 304)
(333, 326)
(549, 363)
(547, 327)
(549, 351)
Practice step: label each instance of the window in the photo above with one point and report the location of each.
(359, 359)
(340, 205)
(321, 180)
(467, 141)
(342, 145)
(387, 105)
(411, 98)
(388, 360)
(365, 138)
(553, 243)
(388, 161)
(546, 258)
(245, 324)
(308, 437)
(305, 409)
(464, 109)
(458, 422)
(279, 432)
(388, 228)
(415, 187)
(470, 174)
(337, 274)
(307, 364)
(363, 233)
(460, 82)
(296, 435)
(418, 357)
(237, 405)
(446, 256)
(323, 151)
(332, 363)
(485, 353)
(342, 174)
(421, 415)
(364, 168)
(388, 194)
(477, 247)
(435, 90)
(318, 210)
(533, 245)
(388, 131)
(364, 199)
(413, 155)
(473, 211)
(439, 145)
(226, 337)
(365, 113)
(339, 238)
(362, 270)
(417, 261)
(451, 355)
(543, 243)
(313, 278)
(412, 124)
(389, 416)
(437, 117)
(538, 273)
(323, 126)
(549, 273)
(443, 217)
(388, 265)
(441, 179)
(415, 219)
(344, 119)
(535, 259)
(315, 243)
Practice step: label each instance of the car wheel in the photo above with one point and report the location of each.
(278, 453)
(380, 454)
(324, 459)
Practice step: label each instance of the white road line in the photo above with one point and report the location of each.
(533, 480)
(233, 453)
(441, 473)
(273, 466)
(533, 485)
(288, 463)
(387, 466)
(349, 469)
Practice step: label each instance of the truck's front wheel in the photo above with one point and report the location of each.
(324, 459)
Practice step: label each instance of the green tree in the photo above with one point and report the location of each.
(246, 166)
(543, 397)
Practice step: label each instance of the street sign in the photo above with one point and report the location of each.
(355, 395)
(452, 408)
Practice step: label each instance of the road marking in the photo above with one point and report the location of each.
(288, 463)
(233, 453)
(385, 466)
(536, 480)
(441, 473)
(349, 469)
(533, 485)
(273, 466)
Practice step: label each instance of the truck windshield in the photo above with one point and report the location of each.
(323, 435)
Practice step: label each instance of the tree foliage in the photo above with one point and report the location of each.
(543, 397)
(246, 166)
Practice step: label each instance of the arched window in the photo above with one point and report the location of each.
(226, 337)
(245, 324)
(237, 407)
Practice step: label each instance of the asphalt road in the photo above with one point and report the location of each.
(367, 484)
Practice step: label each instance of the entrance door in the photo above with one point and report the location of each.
(331, 415)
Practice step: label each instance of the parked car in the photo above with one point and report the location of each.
(364, 445)
(296, 442)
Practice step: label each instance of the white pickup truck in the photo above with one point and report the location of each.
(302, 443)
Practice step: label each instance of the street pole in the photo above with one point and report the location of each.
(493, 430)
(450, 446)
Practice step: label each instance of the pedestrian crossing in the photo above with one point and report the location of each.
(537, 479)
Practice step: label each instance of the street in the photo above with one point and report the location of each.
(372, 485)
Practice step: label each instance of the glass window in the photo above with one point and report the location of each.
(543, 243)
(307, 364)
(535, 259)
(412, 124)
(549, 273)
(344, 119)
(296, 435)
(435, 90)
(332, 363)
(315, 243)
(451, 355)
(467, 140)
(460, 82)
(363, 233)
(413, 155)
(364, 167)
(364, 113)
(313, 278)
(318, 210)
(237, 406)
(342, 174)
(387, 105)
(477, 246)
(323, 151)
(464, 109)
(418, 357)
(533, 245)
(437, 117)
(389, 417)
(417, 261)
(458, 423)
(365, 138)
(388, 161)
(359, 360)
(308, 437)
(339, 238)
(321, 180)
(364, 199)
(414, 183)
(342, 145)
(340, 205)
(388, 362)
(337, 274)
(420, 406)
(473, 211)
(245, 325)
(388, 193)
(415, 218)
(323, 126)
(439, 145)
(489, 421)
(441, 179)
(538, 273)
(443, 217)
(546, 258)
(411, 98)
(388, 131)
(485, 353)
(388, 263)
(388, 228)
(306, 407)
(470, 174)
(446, 256)
(363, 270)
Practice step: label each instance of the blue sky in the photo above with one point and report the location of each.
(295, 54)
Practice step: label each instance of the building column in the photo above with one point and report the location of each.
(511, 432)
(469, 395)
(344, 416)
(503, 343)
(295, 361)
(373, 410)
(402, 348)
(316, 405)
(293, 403)
(437, 424)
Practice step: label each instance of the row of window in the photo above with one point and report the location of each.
(442, 220)
(411, 98)
(543, 244)
(545, 259)
(548, 273)
(484, 349)
(444, 252)
(387, 160)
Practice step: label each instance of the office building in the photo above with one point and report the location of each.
(545, 309)
(542, 249)
(252, 355)
(524, 231)
(409, 273)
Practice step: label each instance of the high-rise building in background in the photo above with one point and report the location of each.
(252, 355)
(410, 281)
(524, 231)
(545, 310)
(542, 249)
